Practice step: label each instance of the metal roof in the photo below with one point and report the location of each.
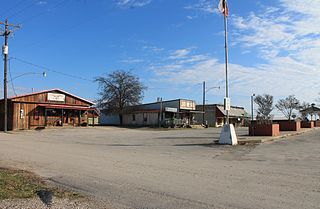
(50, 90)
(312, 109)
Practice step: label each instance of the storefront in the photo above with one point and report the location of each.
(44, 109)
(178, 112)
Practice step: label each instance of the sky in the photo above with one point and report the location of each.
(172, 46)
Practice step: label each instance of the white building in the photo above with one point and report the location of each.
(179, 112)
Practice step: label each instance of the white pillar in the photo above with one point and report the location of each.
(228, 135)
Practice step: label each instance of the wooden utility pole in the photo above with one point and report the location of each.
(5, 51)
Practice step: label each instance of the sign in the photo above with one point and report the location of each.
(56, 97)
(227, 103)
(21, 113)
(171, 109)
(187, 105)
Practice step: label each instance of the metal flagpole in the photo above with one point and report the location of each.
(227, 101)
(226, 59)
(228, 134)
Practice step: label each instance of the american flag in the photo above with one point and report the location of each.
(223, 7)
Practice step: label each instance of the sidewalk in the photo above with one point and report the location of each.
(245, 139)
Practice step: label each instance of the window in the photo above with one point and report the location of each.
(133, 117)
(145, 117)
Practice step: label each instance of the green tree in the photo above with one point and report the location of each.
(118, 90)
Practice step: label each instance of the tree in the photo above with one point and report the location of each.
(318, 99)
(288, 105)
(118, 90)
(265, 106)
(303, 106)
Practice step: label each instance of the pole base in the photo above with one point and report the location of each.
(228, 135)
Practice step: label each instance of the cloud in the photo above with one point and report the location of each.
(180, 53)
(131, 60)
(41, 3)
(205, 6)
(132, 3)
(152, 48)
(283, 44)
(293, 30)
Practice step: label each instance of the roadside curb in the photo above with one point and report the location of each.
(249, 140)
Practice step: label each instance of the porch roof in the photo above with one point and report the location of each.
(69, 107)
(311, 110)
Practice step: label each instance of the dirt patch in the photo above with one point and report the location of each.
(24, 184)
(24, 189)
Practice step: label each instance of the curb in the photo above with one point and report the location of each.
(269, 139)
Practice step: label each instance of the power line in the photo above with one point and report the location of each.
(52, 70)
(66, 29)
(14, 90)
(42, 13)
(22, 10)
(13, 7)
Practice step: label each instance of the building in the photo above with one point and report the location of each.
(215, 115)
(46, 108)
(179, 112)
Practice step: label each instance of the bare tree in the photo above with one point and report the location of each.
(265, 107)
(318, 99)
(303, 106)
(118, 90)
(288, 105)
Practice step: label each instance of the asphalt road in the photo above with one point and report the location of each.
(149, 169)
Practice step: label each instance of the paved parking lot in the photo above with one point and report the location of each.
(146, 168)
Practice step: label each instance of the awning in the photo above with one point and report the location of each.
(69, 107)
(192, 111)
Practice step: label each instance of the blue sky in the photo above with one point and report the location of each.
(171, 45)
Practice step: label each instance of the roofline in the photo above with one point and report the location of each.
(172, 100)
(221, 105)
(56, 89)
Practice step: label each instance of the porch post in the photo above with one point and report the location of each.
(92, 118)
(61, 117)
(79, 118)
(45, 117)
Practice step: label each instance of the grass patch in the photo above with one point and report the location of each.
(17, 184)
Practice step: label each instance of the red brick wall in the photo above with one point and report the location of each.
(286, 125)
(307, 124)
(264, 130)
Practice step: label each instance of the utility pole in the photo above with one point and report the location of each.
(5, 50)
(160, 111)
(252, 109)
(203, 102)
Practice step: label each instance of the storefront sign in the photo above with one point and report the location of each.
(187, 105)
(171, 109)
(56, 97)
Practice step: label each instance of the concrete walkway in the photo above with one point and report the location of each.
(245, 139)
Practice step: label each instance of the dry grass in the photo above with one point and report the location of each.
(17, 184)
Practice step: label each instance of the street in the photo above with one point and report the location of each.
(148, 168)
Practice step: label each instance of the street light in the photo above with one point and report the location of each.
(204, 98)
(44, 74)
